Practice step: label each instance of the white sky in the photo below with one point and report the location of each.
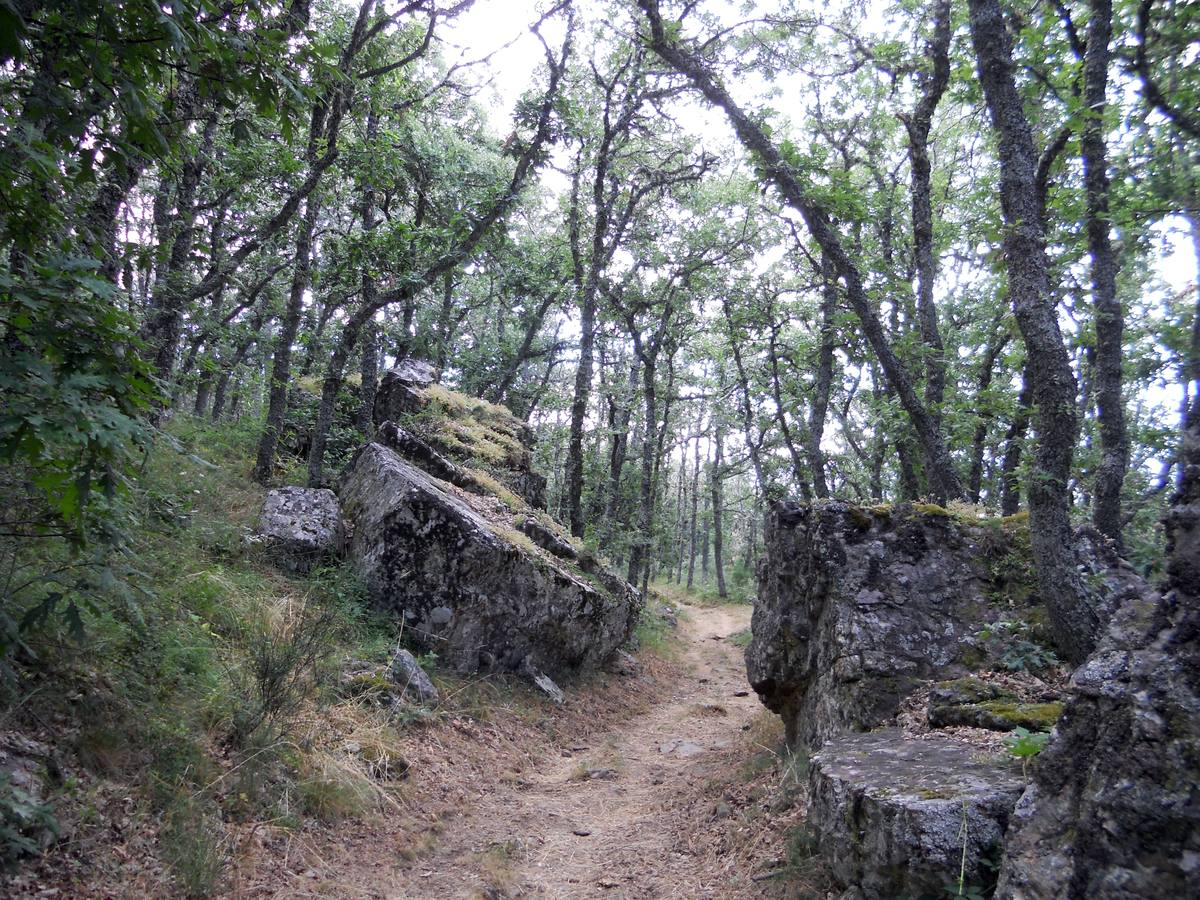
(490, 25)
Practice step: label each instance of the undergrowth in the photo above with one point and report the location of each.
(187, 662)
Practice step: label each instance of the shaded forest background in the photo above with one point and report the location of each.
(934, 276)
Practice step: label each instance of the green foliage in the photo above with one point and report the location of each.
(195, 846)
(1024, 745)
(1019, 652)
(23, 822)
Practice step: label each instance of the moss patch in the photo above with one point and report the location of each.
(1034, 716)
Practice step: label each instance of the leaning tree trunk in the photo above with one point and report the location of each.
(800, 197)
(1075, 618)
(1110, 320)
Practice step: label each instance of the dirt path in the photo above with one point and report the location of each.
(604, 819)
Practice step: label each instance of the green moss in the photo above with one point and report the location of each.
(519, 540)
(494, 487)
(931, 509)
(1034, 716)
(861, 517)
(972, 657)
(933, 794)
(972, 690)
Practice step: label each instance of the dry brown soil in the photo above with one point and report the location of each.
(647, 805)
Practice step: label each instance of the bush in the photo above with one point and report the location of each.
(24, 823)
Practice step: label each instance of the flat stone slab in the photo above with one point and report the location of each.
(892, 816)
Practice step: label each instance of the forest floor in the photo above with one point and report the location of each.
(668, 783)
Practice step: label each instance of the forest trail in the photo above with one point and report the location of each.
(599, 818)
(626, 812)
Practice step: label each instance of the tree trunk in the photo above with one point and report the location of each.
(717, 477)
(933, 85)
(816, 219)
(264, 466)
(203, 392)
(639, 552)
(369, 369)
(1074, 617)
(1110, 320)
(824, 380)
(695, 504)
(995, 347)
(164, 324)
(1014, 444)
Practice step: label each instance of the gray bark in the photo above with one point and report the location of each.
(1074, 617)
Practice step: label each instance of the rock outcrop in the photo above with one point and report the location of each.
(482, 438)
(302, 527)
(1113, 810)
(465, 582)
(905, 818)
(858, 607)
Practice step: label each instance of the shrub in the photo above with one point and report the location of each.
(24, 822)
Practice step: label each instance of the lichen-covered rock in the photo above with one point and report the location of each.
(894, 817)
(856, 608)
(302, 527)
(407, 673)
(1113, 810)
(466, 583)
(978, 704)
(485, 439)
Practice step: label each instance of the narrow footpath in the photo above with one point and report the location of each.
(645, 806)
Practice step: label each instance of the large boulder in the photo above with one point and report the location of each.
(302, 527)
(857, 607)
(1113, 810)
(466, 583)
(467, 431)
(905, 818)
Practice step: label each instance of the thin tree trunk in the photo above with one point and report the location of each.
(164, 325)
(1110, 320)
(268, 444)
(781, 418)
(816, 219)
(695, 504)
(1074, 617)
(717, 477)
(639, 552)
(203, 392)
(824, 379)
(933, 85)
(1014, 444)
(369, 370)
(994, 348)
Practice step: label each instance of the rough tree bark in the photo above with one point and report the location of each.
(1110, 320)
(264, 465)
(1075, 618)
(932, 85)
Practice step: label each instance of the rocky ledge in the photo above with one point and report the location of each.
(438, 515)
(905, 818)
